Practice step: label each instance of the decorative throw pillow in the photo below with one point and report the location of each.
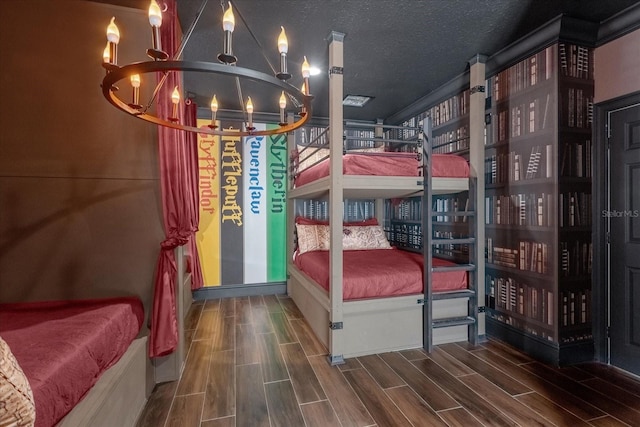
(379, 149)
(312, 238)
(367, 237)
(16, 398)
(311, 156)
(308, 221)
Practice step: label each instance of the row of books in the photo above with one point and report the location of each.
(405, 235)
(576, 258)
(518, 166)
(576, 159)
(576, 61)
(574, 209)
(534, 70)
(576, 107)
(511, 295)
(352, 140)
(526, 256)
(450, 250)
(452, 141)
(450, 109)
(526, 209)
(450, 203)
(523, 118)
(405, 209)
(312, 135)
(575, 307)
(354, 210)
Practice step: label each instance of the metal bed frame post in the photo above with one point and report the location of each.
(427, 233)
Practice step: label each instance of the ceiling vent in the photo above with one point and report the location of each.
(356, 100)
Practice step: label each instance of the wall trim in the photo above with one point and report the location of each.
(619, 24)
(229, 291)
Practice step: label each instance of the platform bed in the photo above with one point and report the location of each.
(119, 396)
(371, 326)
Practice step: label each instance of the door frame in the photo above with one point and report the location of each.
(600, 276)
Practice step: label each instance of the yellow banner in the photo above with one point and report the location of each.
(208, 236)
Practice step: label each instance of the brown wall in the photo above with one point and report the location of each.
(79, 191)
(617, 67)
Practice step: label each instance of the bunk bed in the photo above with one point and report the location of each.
(84, 362)
(373, 318)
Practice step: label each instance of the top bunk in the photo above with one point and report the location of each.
(377, 162)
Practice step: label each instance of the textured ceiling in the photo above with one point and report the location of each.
(395, 50)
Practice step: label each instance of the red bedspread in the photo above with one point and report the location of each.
(380, 273)
(381, 164)
(63, 347)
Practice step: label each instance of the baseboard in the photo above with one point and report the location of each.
(228, 291)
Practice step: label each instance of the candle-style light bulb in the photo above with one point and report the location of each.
(155, 20)
(306, 68)
(229, 20)
(113, 38)
(135, 80)
(106, 56)
(250, 113)
(228, 25)
(214, 111)
(283, 43)
(175, 98)
(306, 72)
(283, 105)
(283, 48)
(135, 84)
(113, 33)
(283, 101)
(155, 14)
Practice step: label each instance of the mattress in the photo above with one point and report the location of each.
(380, 273)
(64, 346)
(385, 164)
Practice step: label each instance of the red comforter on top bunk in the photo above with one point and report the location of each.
(64, 346)
(380, 273)
(388, 164)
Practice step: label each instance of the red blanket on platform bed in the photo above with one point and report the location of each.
(384, 164)
(380, 273)
(63, 347)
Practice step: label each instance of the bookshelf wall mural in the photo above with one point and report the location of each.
(538, 203)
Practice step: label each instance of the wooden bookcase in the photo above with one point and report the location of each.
(538, 203)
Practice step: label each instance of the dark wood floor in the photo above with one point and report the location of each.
(254, 362)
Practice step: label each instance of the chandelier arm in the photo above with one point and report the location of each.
(266, 58)
(178, 54)
(120, 73)
(241, 100)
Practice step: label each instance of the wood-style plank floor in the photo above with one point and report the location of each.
(254, 361)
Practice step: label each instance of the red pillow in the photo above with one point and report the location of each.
(306, 221)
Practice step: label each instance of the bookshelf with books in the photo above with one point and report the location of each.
(538, 203)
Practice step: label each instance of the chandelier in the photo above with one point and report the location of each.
(161, 63)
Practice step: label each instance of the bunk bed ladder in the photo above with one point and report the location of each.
(471, 318)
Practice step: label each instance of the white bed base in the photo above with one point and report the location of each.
(373, 325)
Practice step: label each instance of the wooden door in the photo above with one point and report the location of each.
(624, 225)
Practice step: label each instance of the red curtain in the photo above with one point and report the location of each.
(179, 186)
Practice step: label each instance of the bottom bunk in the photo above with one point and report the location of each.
(383, 301)
(77, 356)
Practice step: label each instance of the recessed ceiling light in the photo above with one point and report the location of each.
(356, 100)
